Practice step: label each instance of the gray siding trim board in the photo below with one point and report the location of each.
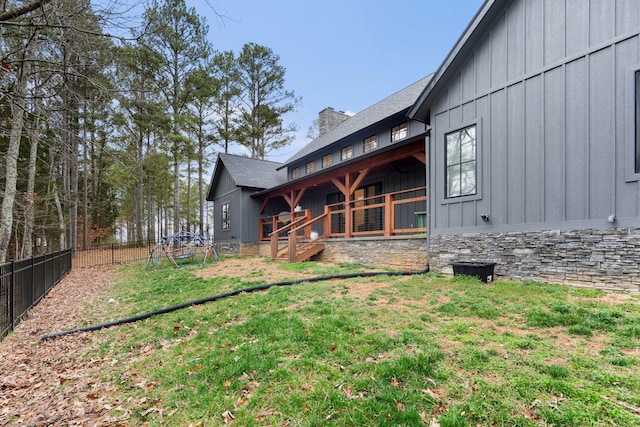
(630, 123)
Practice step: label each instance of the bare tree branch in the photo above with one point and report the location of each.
(12, 14)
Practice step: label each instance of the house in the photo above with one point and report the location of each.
(234, 180)
(535, 143)
(522, 149)
(362, 179)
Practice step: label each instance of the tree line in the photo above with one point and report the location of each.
(103, 133)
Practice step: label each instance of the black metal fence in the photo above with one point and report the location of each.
(112, 253)
(24, 283)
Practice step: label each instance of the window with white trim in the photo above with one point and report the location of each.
(295, 173)
(327, 160)
(370, 143)
(310, 167)
(225, 215)
(461, 163)
(398, 132)
(346, 153)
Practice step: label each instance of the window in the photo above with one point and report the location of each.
(225, 214)
(637, 132)
(310, 167)
(327, 160)
(346, 153)
(398, 132)
(370, 143)
(295, 173)
(461, 162)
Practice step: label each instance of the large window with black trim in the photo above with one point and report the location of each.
(461, 163)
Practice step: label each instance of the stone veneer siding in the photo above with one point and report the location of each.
(607, 259)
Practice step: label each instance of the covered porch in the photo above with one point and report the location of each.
(378, 195)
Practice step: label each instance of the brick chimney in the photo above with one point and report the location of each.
(330, 118)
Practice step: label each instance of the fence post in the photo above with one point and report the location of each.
(33, 279)
(12, 291)
(113, 254)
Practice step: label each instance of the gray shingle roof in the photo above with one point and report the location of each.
(254, 173)
(396, 103)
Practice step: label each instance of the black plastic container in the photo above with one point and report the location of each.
(481, 270)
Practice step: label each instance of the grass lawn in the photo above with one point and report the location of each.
(388, 350)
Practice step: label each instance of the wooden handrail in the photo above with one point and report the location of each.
(310, 223)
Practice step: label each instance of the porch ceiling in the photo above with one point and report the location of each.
(390, 158)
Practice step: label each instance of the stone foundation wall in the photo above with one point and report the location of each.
(228, 248)
(607, 259)
(397, 253)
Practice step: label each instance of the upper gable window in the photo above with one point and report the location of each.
(398, 132)
(295, 173)
(327, 160)
(310, 167)
(346, 153)
(370, 143)
(461, 158)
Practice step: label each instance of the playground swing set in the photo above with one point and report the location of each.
(182, 249)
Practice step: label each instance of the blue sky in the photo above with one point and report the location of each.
(345, 54)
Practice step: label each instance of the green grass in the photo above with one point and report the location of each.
(417, 349)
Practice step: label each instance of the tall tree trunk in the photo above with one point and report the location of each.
(139, 189)
(11, 167)
(176, 191)
(34, 137)
(85, 193)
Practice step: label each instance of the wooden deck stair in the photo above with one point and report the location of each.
(299, 244)
(304, 251)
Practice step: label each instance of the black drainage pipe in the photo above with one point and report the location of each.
(227, 295)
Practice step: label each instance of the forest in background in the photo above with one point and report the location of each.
(106, 136)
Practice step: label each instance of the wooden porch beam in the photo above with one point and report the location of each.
(361, 176)
(340, 185)
(422, 157)
(298, 197)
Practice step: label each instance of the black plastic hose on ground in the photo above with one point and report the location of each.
(230, 294)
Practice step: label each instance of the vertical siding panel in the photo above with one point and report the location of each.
(469, 79)
(440, 217)
(554, 30)
(602, 132)
(602, 23)
(499, 53)
(534, 151)
(483, 205)
(554, 153)
(516, 40)
(483, 66)
(627, 194)
(455, 91)
(515, 154)
(577, 139)
(499, 159)
(577, 31)
(534, 34)
(627, 16)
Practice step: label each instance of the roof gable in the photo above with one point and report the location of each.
(246, 172)
(487, 12)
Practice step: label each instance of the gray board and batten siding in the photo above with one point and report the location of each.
(234, 180)
(547, 85)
